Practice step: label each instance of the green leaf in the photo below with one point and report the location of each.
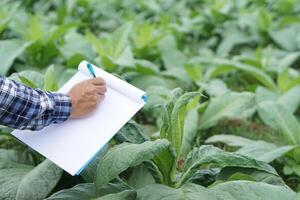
(131, 132)
(280, 118)
(187, 192)
(34, 30)
(125, 58)
(17, 156)
(286, 38)
(124, 195)
(190, 131)
(169, 51)
(177, 119)
(126, 155)
(289, 60)
(248, 190)
(30, 78)
(194, 71)
(233, 39)
(230, 140)
(287, 170)
(85, 191)
(296, 154)
(143, 35)
(173, 117)
(50, 81)
(9, 51)
(232, 190)
(231, 105)
(166, 165)
(210, 156)
(290, 99)
(146, 67)
(264, 151)
(296, 169)
(22, 182)
(256, 175)
(224, 66)
(144, 82)
(61, 30)
(259, 150)
(240, 176)
(284, 80)
(140, 177)
(264, 19)
(88, 191)
(204, 177)
(75, 47)
(88, 174)
(119, 39)
(214, 88)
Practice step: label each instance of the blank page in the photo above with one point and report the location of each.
(72, 144)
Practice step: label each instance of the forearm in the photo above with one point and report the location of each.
(22, 107)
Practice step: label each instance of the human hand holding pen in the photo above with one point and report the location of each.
(86, 95)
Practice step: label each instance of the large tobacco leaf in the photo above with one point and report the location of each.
(173, 117)
(224, 66)
(286, 38)
(230, 105)
(124, 195)
(169, 51)
(186, 192)
(249, 190)
(264, 151)
(126, 155)
(290, 99)
(230, 140)
(239, 173)
(22, 182)
(131, 132)
(212, 157)
(89, 194)
(257, 149)
(9, 51)
(88, 191)
(190, 131)
(232, 190)
(281, 119)
(85, 191)
(50, 79)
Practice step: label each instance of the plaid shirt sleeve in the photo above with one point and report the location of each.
(22, 107)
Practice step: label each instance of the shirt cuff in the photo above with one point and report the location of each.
(62, 107)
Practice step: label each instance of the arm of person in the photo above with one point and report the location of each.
(22, 107)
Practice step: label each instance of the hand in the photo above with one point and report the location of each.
(86, 95)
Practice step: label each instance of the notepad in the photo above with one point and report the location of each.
(74, 143)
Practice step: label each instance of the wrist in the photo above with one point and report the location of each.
(62, 107)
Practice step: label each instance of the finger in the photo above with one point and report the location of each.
(98, 81)
(98, 98)
(95, 99)
(101, 98)
(101, 89)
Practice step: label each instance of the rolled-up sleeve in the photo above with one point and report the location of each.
(22, 107)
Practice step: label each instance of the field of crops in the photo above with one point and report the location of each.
(223, 79)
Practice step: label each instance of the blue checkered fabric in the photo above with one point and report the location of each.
(22, 107)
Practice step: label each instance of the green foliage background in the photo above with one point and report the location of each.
(222, 120)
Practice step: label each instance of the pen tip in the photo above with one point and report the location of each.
(145, 98)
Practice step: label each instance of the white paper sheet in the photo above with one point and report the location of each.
(72, 144)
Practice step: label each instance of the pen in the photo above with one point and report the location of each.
(91, 70)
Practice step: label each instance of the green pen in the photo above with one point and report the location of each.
(91, 70)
